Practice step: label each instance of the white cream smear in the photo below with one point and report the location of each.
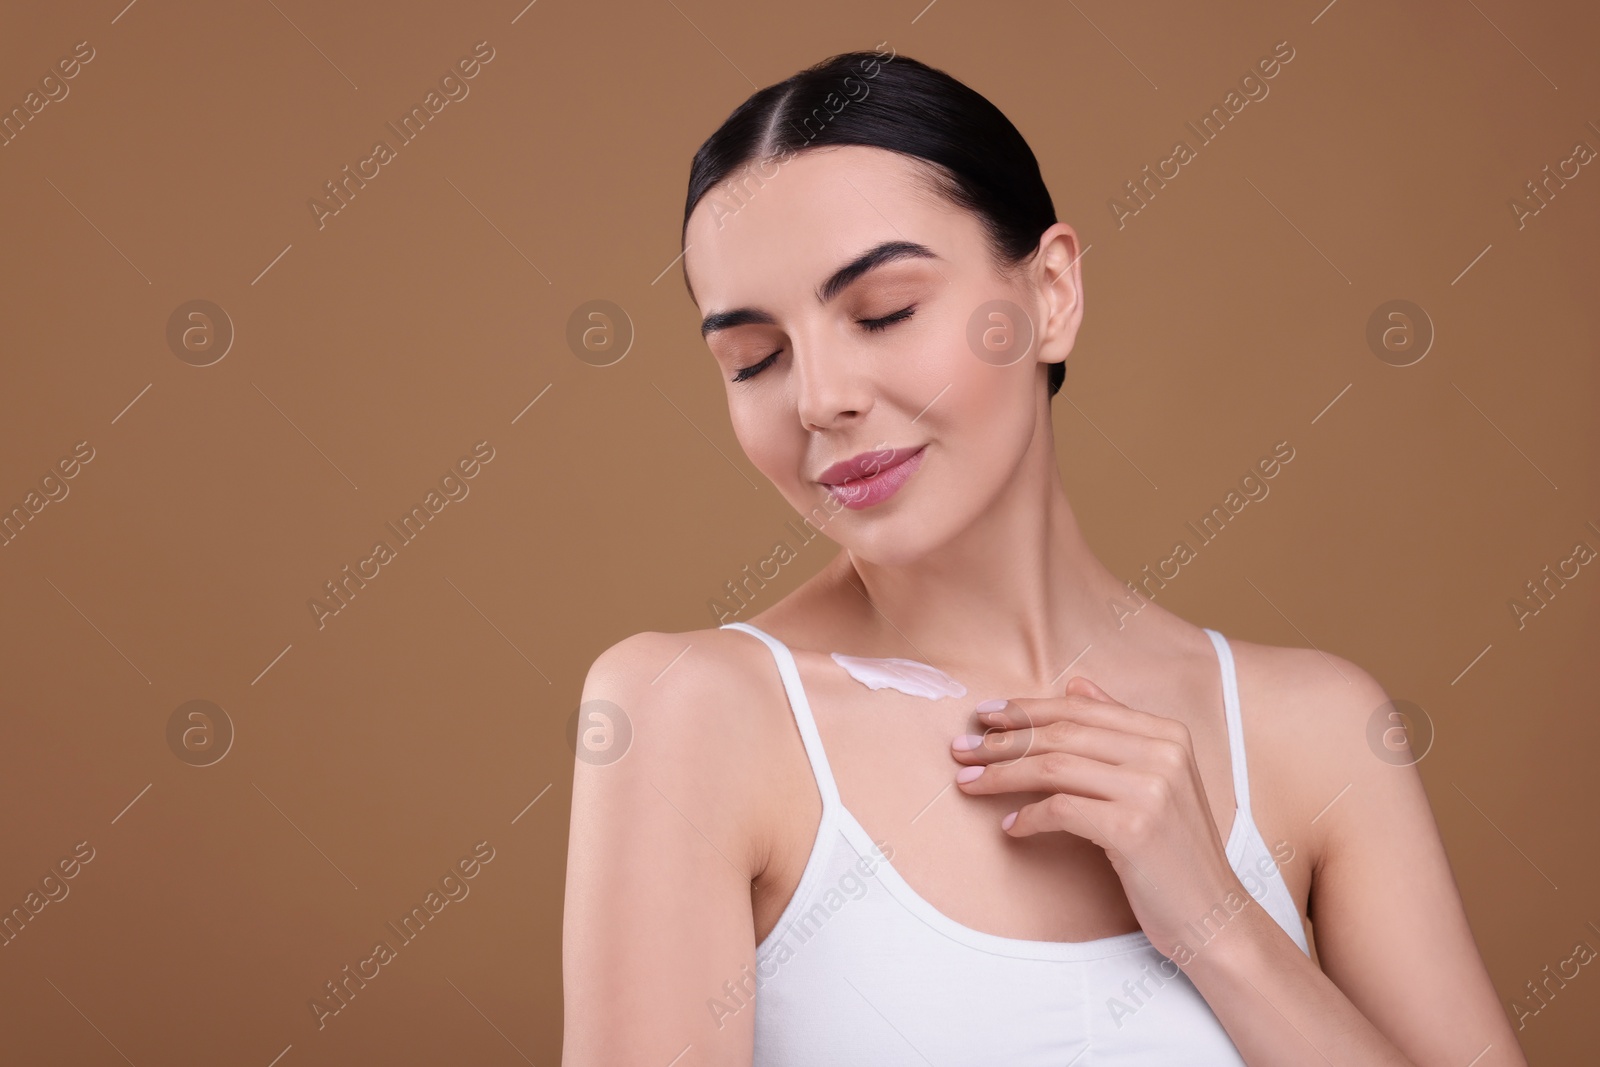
(906, 675)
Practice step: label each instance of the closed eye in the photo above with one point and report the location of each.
(756, 368)
(870, 325)
(888, 320)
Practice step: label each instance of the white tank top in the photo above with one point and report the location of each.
(860, 969)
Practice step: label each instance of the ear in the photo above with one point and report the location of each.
(1058, 280)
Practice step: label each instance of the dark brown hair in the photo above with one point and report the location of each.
(977, 159)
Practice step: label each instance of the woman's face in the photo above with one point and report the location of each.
(872, 365)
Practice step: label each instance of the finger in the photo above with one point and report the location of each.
(1031, 711)
(1051, 772)
(1081, 686)
(1001, 745)
(1083, 816)
(1061, 811)
(1035, 711)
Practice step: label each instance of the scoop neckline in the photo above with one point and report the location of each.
(918, 905)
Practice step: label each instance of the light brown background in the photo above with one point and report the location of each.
(373, 753)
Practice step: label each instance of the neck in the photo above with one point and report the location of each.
(1019, 589)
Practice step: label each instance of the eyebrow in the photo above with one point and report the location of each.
(876, 256)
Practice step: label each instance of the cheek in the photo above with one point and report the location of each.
(961, 356)
(768, 439)
(986, 415)
(981, 396)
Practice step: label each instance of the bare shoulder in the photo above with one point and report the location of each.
(666, 838)
(1309, 719)
(656, 662)
(690, 716)
(705, 692)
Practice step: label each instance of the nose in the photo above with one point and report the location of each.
(833, 382)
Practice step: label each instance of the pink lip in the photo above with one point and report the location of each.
(872, 477)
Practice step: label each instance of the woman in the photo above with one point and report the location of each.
(820, 845)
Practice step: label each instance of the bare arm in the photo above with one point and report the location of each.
(659, 864)
(1401, 980)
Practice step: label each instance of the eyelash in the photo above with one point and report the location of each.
(870, 325)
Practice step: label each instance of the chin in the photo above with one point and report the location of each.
(892, 541)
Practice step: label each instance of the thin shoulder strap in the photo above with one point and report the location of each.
(801, 707)
(1230, 703)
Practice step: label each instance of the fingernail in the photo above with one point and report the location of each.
(991, 705)
(967, 774)
(967, 742)
(1005, 823)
